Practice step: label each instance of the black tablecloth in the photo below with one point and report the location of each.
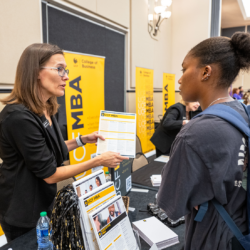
(142, 175)
(137, 200)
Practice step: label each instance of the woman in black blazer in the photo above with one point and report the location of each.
(175, 117)
(31, 145)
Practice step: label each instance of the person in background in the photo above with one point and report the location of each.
(206, 163)
(236, 95)
(246, 98)
(241, 93)
(174, 118)
(31, 144)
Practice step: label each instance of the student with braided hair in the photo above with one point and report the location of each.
(208, 157)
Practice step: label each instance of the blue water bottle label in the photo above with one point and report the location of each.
(44, 233)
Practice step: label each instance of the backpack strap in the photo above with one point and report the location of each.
(234, 118)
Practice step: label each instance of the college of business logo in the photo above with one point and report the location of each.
(102, 114)
(86, 203)
(75, 60)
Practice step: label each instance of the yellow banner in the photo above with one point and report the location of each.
(84, 98)
(168, 91)
(1, 231)
(145, 107)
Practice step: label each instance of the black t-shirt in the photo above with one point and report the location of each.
(207, 161)
(29, 155)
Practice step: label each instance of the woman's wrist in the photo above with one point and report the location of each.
(98, 160)
(84, 139)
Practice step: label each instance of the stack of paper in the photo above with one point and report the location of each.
(154, 231)
(156, 180)
(162, 158)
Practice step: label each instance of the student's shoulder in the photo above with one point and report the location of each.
(206, 128)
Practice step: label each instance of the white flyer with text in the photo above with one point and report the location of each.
(119, 131)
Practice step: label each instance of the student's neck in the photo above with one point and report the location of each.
(214, 97)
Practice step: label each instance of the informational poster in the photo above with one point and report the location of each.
(145, 107)
(119, 131)
(112, 227)
(84, 98)
(121, 176)
(168, 91)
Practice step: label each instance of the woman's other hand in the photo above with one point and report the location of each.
(92, 138)
(111, 159)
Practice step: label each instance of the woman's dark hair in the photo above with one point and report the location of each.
(231, 55)
(98, 178)
(27, 88)
(65, 221)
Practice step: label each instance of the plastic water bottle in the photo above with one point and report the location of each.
(42, 231)
(107, 176)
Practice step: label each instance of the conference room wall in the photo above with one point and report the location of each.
(191, 21)
(20, 26)
(117, 11)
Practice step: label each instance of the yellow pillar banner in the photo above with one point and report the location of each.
(168, 91)
(1, 231)
(145, 107)
(84, 98)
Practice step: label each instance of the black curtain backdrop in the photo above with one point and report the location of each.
(74, 34)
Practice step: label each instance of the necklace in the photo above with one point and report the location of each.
(217, 100)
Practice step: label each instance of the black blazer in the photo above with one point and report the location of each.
(169, 127)
(30, 153)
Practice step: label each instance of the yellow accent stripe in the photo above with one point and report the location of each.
(100, 203)
(100, 195)
(108, 246)
(117, 237)
(117, 132)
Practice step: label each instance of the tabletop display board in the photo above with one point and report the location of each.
(121, 176)
(83, 102)
(168, 91)
(145, 107)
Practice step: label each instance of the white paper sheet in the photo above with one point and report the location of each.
(119, 131)
(162, 158)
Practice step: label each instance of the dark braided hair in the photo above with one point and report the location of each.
(231, 55)
(65, 221)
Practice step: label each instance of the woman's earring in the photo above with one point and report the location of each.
(204, 79)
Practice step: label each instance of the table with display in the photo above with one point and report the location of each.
(138, 200)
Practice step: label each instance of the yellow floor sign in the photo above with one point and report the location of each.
(84, 98)
(145, 107)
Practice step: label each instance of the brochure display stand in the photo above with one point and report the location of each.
(112, 228)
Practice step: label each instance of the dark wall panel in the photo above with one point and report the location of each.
(230, 31)
(114, 73)
(78, 35)
(75, 34)
(44, 22)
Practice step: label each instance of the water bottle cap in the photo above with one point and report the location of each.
(107, 172)
(42, 214)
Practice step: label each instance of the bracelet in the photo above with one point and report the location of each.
(79, 141)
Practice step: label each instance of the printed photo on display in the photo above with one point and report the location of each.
(108, 215)
(90, 185)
